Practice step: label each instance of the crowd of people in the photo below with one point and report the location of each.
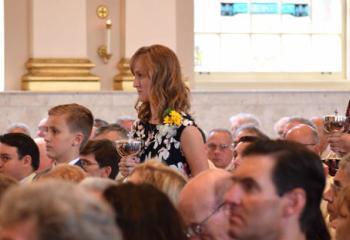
(68, 182)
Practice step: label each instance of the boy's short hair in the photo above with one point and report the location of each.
(78, 118)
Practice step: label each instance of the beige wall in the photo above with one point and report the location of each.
(58, 29)
(171, 25)
(142, 25)
(135, 23)
(210, 109)
(347, 3)
(149, 22)
(16, 41)
(185, 37)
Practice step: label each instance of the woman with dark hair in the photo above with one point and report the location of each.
(164, 125)
(144, 213)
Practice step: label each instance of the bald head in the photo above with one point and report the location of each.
(42, 128)
(295, 121)
(280, 125)
(241, 119)
(305, 135)
(201, 197)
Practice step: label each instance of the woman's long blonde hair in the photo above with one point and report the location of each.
(167, 89)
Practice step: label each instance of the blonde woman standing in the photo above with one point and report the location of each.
(164, 124)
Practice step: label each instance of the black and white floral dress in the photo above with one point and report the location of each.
(162, 141)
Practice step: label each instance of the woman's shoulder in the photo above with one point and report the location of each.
(187, 120)
(137, 122)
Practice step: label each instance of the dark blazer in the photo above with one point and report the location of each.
(79, 164)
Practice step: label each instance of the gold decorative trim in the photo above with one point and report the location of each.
(124, 80)
(60, 74)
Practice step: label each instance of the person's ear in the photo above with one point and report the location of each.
(295, 201)
(318, 148)
(206, 149)
(27, 160)
(106, 171)
(78, 139)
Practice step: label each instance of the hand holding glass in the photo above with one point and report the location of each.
(128, 147)
(334, 123)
